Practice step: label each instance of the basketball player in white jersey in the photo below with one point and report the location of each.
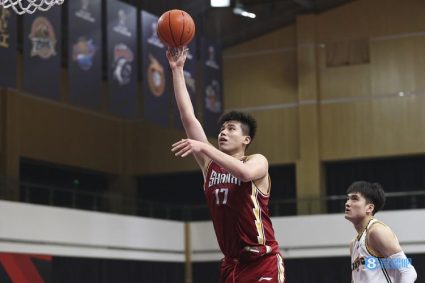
(376, 255)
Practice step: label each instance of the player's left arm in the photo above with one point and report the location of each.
(382, 239)
(254, 168)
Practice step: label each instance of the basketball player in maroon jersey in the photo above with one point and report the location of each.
(236, 187)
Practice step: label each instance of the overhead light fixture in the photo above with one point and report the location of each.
(220, 3)
(240, 10)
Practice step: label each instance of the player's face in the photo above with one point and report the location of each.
(357, 208)
(231, 138)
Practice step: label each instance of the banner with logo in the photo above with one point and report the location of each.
(122, 58)
(189, 75)
(85, 53)
(8, 50)
(212, 85)
(156, 73)
(42, 53)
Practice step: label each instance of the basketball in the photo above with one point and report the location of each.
(176, 28)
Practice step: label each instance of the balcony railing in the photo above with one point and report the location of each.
(122, 204)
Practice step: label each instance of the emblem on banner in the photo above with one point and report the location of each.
(122, 28)
(211, 62)
(43, 38)
(154, 39)
(84, 12)
(123, 57)
(4, 22)
(83, 52)
(156, 77)
(212, 97)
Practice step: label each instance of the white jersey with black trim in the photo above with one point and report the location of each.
(365, 264)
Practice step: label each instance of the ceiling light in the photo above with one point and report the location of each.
(220, 3)
(240, 10)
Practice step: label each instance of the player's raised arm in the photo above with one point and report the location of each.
(255, 167)
(191, 124)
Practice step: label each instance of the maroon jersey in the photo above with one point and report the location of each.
(239, 211)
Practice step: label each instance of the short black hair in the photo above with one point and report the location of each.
(249, 124)
(372, 192)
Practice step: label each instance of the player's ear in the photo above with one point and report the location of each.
(370, 207)
(247, 140)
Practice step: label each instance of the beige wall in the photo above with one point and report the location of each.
(260, 76)
(357, 108)
(59, 133)
(375, 122)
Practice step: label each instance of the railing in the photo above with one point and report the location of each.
(122, 204)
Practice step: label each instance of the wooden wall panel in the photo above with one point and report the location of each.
(277, 135)
(343, 82)
(261, 71)
(260, 80)
(260, 76)
(371, 18)
(345, 129)
(281, 38)
(61, 134)
(151, 151)
(378, 127)
(3, 116)
(398, 65)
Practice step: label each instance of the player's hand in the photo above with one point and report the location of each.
(177, 56)
(185, 147)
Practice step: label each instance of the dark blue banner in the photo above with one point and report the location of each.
(7, 48)
(42, 52)
(189, 75)
(156, 73)
(122, 58)
(85, 53)
(211, 59)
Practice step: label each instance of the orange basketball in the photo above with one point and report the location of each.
(176, 28)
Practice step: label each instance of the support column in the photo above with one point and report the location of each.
(188, 253)
(9, 143)
(308, 167)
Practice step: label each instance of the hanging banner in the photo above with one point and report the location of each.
(156, 73)
(85, 53)
(212, 85)
(122, 58)
(42, 53)
(8, 50)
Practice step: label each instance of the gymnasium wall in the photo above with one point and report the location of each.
(61, 133)
(342, 85)
(360, 112)
(308, 110)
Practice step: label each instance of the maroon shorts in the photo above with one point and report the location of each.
(267, 269)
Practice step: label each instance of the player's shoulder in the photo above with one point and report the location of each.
(378, 227)
(379, 232)
(257, 156)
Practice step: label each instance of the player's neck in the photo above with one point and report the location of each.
(361, 225)
(237, 154)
